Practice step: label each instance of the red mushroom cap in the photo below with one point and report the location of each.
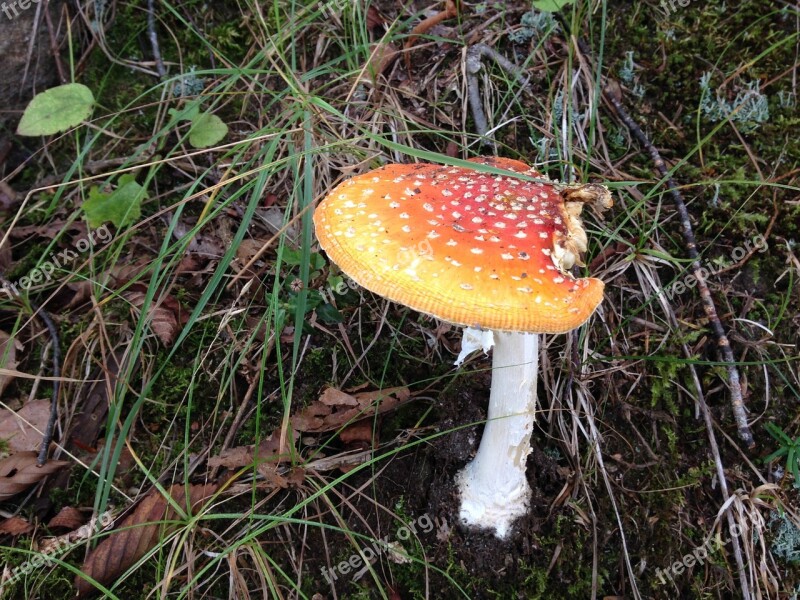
(470, 248)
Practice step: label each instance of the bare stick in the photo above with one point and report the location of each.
(723, 345)
(51, 422)
(151, 33)
(473, 66)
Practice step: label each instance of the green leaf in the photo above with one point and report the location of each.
(56, 110)
(122, 206)
(328, 314)
(550, 5)
(207, 130)
(189, 112)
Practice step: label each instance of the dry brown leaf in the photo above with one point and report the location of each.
(382, 55)
(23, 429)
(269, 450)
(5, 252)
(15, 526)
(359, 435)
(8, 197)
(374, 18)
(19, 471)
(67, 518)
(8, 356)
(336, 408)
(138, 533)
(167, 317)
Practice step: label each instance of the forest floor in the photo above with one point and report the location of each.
(202, 328)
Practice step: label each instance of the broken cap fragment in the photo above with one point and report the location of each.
(472, 248)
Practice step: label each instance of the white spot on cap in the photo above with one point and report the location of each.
(427, 206)
(406, 229)
(506, 256)
(394, 205)
(476, 250)
(452, 242)
(466, 286)
(404, 216)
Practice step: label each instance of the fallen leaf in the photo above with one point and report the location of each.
(166, 315)
(51, 545)
(67, 518)
(269, 450)
(374, 18)
(359, 435)
(139, 532)
(19, 471)
(57, 109)
(382, 55)
(5, 252)
(8, 197)
(23, 429)
(336, 408)
(15, 526)
(8, 358)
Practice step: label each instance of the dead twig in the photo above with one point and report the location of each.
(47, 437)
(723, 344)
(472, 66)
(153, 36)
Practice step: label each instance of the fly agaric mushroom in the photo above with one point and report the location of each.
(486, 251)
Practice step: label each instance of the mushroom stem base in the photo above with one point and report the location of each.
(494, 489)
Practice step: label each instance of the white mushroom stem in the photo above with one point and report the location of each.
(493, 486)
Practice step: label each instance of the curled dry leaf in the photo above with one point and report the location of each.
(139, 532)
(336, 408)
(8, 356)
(67, 518)
(52, 545)
(166, 315)
(19, 471)
(15, 526)
(382, 55)
(5, 252)
(22, 429)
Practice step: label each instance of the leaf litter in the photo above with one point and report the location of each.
(153, 519)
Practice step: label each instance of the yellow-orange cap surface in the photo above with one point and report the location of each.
(466, 247)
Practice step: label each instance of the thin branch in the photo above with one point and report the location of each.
(723, 345)
(473, 66)
(51, 422)
(151, 33)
